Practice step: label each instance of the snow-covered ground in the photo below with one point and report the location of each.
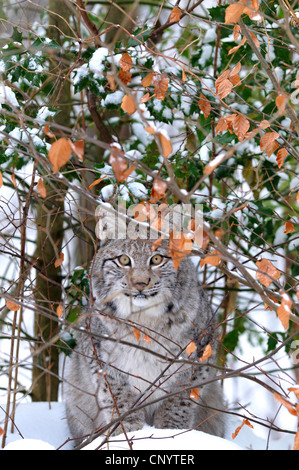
(40, 426)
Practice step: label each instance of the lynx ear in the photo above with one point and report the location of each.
(110, 226)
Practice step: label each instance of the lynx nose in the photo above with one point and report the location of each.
(140, 285)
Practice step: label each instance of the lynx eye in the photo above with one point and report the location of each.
(124, 260)
(156, 259)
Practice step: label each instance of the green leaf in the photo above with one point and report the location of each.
(141, 35)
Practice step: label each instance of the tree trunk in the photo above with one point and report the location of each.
(50, 216)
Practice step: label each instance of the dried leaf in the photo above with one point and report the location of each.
(147, 80)
(221, 125)
(179, 247)
(266, 272)
(128, 104)
(97, 181)
(158, 190)
(125, 62)
(175, 15)
(267, 139)
(12, 306)
(58, 262)
(125, 76)
(184, 76)
(271, 148)
(136, 333)
(284, 310)
(234, 49)
(59, 310)
(111, 81)
(41, 189)
(238, 429)
(146, 98)
(194, 394)
(191, 348)
(234, 11)
(48, 132)
(289, 227)
(281, 156)
(281, 102)
(223, 85)
(208, 169)
(241, 126)
(208, 351)
(119, 163)
(59, 153)
(297, 197)
(236, 32)
(204, 105)
(295, 390)
(13, 179)
(288, 405)
(160, 82)
(1, 179)
(146, 338)
(255, 39)
(264, 124)
(165, 144)
(78, 148)
(296, 442)
(213, 259)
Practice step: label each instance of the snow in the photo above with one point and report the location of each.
(7, 96)
(43, 426)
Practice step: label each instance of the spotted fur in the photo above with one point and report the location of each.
(130, 361)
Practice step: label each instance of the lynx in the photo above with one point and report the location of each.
(132, 365)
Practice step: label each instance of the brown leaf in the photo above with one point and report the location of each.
(264, 124)
(12, 306)
(78, 148)
(158, 190)
(160, 82)
(281, 156)
(179, 247)
(48, 132)
(191, 348)
(125, 62)
(146, 98)
(271, 148)
(13, 179)
(240, 126)
(288, 405)
(146, 338)
(213, 259)
(284, 310)
(147, 80)
(267, 139)
(238, 429)
(221, 125)
(59, 153)
(236, 32)
(255, 39)
(59, 310)
(204, 105)
(175, 15)
(111, 81)
(41, 189)
(97, 181)
(208, 351)
(58, 262)
(165, 144)
(125, 76)
(136, 333)
(289, 227)
(281, 102)
(119, 163)
(266, 272)
(296, 442)
(128, 104)
(297, 197)
(194, 394)
(223, 85)
(234, 11)
(234, 49)
(1, 179)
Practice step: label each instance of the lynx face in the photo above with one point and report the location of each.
(133, 278)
